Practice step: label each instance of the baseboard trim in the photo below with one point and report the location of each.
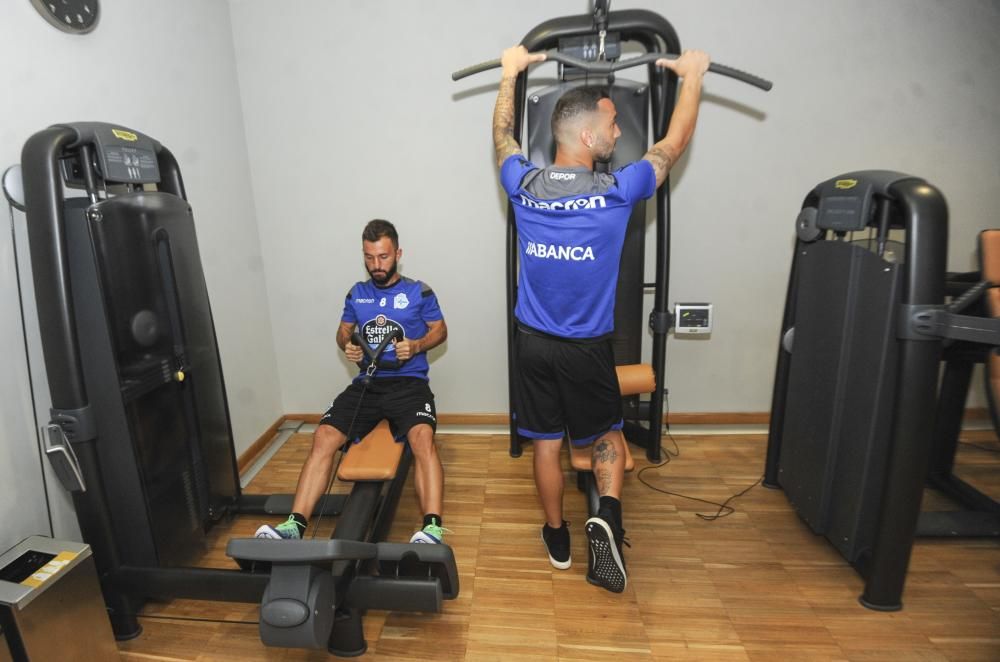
(683, 418)
(305, 418)
(250, 455)
(710, 418)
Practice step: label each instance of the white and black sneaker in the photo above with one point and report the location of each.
(607, 565)
(290, 529)
(557, 543)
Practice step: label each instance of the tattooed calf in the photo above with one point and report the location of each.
(604, 451)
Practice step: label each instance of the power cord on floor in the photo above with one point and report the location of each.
(724, 508)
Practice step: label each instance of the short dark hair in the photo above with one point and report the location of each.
(575, 102)
(378, 228)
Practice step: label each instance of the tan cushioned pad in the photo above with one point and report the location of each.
(634, 379)
(580, 458)
(989, 251)
(994, 368)
(993, 365)
(993, 301)
(376, 457)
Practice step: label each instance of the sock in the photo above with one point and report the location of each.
(301, 520)
(613, 508)
(432, 518)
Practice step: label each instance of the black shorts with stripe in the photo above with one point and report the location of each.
(404, 401)
(565, 386)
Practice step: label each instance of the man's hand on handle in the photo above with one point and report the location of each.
(517, 58)
(353, 352)
(690, 63)
(406, 349)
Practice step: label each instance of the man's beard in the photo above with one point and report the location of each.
(382, 277)
(604, 154)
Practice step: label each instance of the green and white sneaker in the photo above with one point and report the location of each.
(431, 534)
(287, 530)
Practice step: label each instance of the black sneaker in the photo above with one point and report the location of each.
(607, 564)
(557, 543)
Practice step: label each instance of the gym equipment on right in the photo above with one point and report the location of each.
(860, 421)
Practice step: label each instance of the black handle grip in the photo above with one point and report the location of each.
(608, 67)
(476, 69)
(375, 355)
(742, 76)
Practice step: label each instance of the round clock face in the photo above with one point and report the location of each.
(75, 16)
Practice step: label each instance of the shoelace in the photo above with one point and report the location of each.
(291, 521)
(436, 531)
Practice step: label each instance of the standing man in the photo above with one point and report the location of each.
(384, 303)
(571, 225)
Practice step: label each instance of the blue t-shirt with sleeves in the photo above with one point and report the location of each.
(571, 225)
(407, 305)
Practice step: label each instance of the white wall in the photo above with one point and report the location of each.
(310, 119)
(168, 70)
(20, 464)
(351, 114)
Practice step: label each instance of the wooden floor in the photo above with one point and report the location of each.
(756, 585)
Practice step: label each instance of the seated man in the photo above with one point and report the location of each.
(382, 304)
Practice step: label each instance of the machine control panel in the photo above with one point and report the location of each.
(119, 155)
(692, 318)
(126, 157)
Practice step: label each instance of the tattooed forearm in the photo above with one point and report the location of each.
(604, 451)
(503, 121)
(662, 161)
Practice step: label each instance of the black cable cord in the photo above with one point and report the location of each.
(724, 508)
(725, 504)
(343, 451)
(167, 617)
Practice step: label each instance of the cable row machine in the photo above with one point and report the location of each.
(853, 410)
(140, 430)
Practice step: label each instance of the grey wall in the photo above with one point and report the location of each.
(166, 69)
(351, 114)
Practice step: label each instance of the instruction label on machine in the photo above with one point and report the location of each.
(49, 570)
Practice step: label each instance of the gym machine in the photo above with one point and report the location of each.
(974, 293)
(853, 407)
(140, 431)
(589, 51)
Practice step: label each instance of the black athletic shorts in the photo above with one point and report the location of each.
(404, 401)
(565, 386)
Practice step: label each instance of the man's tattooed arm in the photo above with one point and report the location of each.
(503, 121)
(661, 159)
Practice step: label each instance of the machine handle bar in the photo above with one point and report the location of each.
(609, 67)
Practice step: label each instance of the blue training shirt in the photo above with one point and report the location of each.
(406, 304)
(571, 225)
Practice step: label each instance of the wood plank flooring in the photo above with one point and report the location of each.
(756, 585)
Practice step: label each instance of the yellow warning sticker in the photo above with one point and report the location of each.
(49, 570)
(845, 183)
(125, 135)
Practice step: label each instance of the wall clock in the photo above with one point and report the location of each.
(73, 16)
